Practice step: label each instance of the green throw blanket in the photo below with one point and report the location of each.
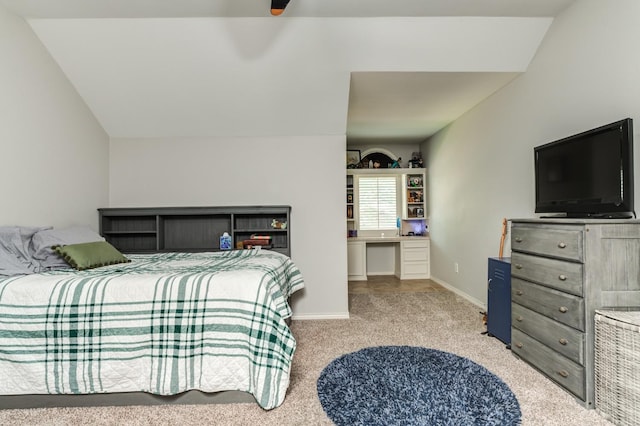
(164, 324)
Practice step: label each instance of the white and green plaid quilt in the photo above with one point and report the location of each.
(164, 324)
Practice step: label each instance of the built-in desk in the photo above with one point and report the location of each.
(411, 256)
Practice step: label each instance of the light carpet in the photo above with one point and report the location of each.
(438, 319)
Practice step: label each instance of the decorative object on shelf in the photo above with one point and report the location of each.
(353, 158)
(276, 224)
(416, 160)
(419, 212)
(396, 164)
(225, 241)
(415, 181)
(349, 198)
(415, 197)
(376, 164)
(384, 160)
(258, 242)
(349, 212)
(352, 233)
(278, 6)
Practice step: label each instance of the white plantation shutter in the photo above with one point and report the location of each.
(377, 203)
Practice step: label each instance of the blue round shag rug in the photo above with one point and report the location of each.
(407, 385)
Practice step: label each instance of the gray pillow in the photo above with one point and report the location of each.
(14, 250)
(11, 265)
(43, 241)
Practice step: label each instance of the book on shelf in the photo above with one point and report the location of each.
(261, 246)
(257, 242)
(260, 237)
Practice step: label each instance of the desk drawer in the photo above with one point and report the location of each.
(565, 340)
(563, 371)
(559, 274)
(415, 255)
(415, 250)
(417, 243)
(416, 268)
(562, 307)
(564, 244)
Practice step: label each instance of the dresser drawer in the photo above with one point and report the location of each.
(564, 244)
(562, 307)
(565, 340)
(559, 274)
(563, 371)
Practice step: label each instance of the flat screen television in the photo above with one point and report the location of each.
(589, 174)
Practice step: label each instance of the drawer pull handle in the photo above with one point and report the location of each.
(563, 373)
(562, 245)
(563, 342)
(518, 240)
(563, 309)
(518, 266)
(519, 345)
(519, 292)
(562, 277)
(519, 319)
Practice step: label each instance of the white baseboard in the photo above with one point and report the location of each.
(460, 293)
(334, 316)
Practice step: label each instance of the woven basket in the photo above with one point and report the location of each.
(617, 365)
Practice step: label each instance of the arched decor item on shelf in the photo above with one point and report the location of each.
(384, 158)
(278, 6)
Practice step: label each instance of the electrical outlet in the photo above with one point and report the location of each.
(455, 266)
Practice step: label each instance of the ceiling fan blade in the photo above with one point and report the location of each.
(278, 6)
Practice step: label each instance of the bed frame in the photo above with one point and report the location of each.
(123, 398)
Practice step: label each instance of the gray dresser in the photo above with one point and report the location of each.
(562, 271)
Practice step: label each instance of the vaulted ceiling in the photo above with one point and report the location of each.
(377, 71)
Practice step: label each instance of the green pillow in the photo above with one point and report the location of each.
(90, 255)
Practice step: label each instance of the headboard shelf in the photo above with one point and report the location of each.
(189, 229)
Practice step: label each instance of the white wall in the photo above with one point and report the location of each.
(222, 77)
(53, 167)
(585, 74)
(307, 173)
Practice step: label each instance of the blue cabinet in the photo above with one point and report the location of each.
(499, 299)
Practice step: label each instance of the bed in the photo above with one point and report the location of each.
(160, 324)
